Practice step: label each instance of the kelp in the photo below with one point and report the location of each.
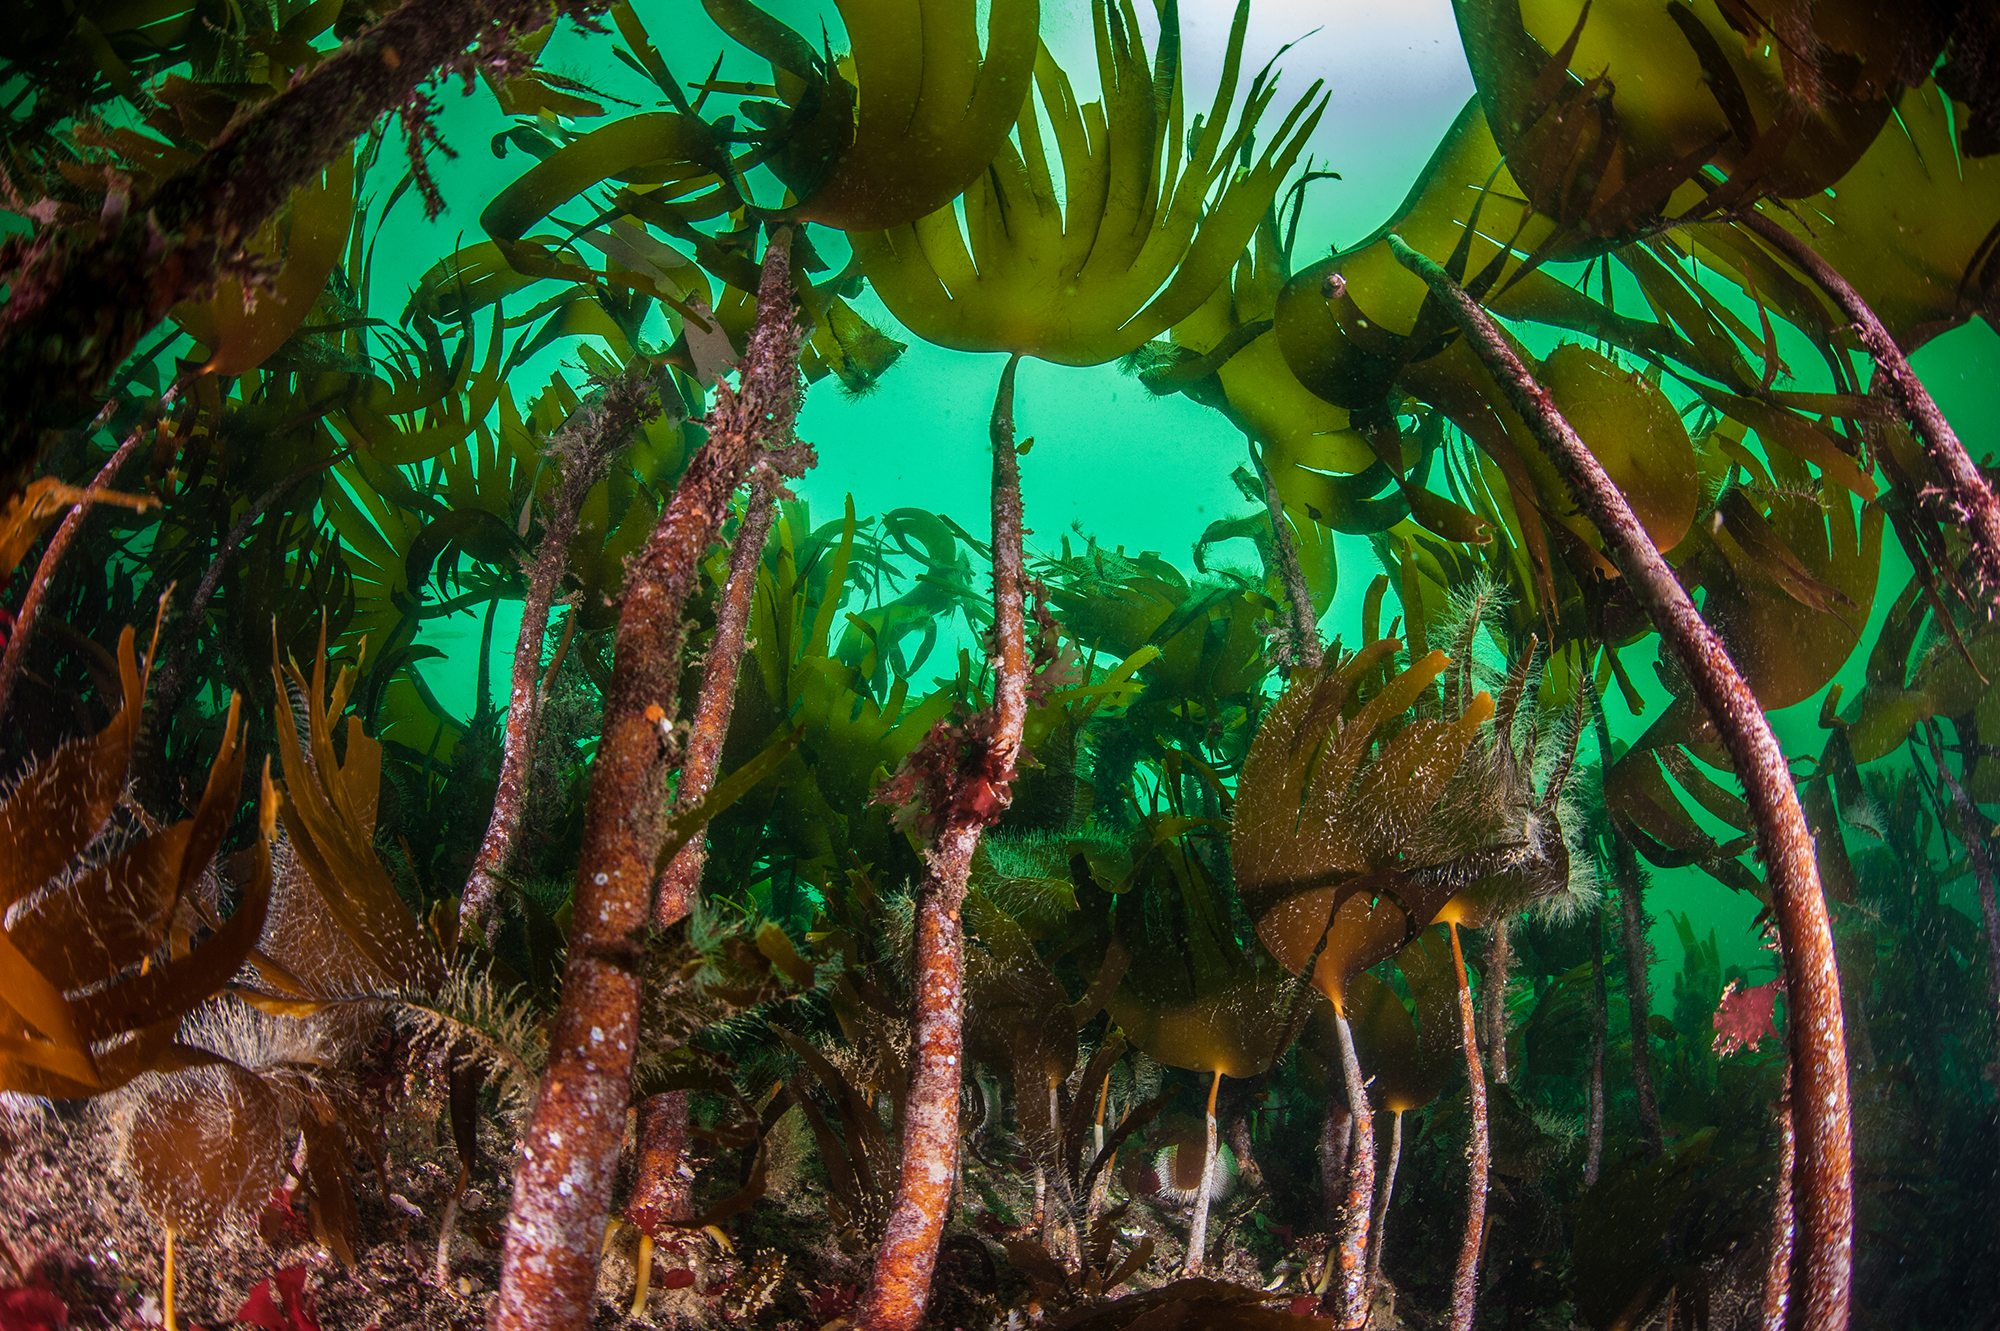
(1607, 112)
(1822, 1117)
(900, 123)
(1147, 221)
(102, 954)
(1338, 830)
(579, 1116)
(1912, 225)
(1182, 849)
(202, 215)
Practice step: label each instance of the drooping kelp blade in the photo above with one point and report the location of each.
(928, 107)
(329, 817)
(1913, 226)
(62, 802)
(1406, 1070)
(207, 1147)
(1364, 930)
(1192, 997)
(94, 976)
(1348, 324)
(1323, 467)
(242, 328)
(1634, 431)
(1145, 224)
(1609, 111)
(1336, 801)
(651, 148)
(1790, 582)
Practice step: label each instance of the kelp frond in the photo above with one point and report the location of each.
(1146, 222)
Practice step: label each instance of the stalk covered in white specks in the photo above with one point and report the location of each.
(583, 448)
(569, 1153)
(1822, 1107)
(970, 781)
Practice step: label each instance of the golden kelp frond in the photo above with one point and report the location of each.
(240, 327)
(1624, 418)
(1631, 428)
(1018, 1014)
(1608, 112)
(1407, 1064)
(97, 974)
(1791, 582)
(909, 116)
(1349, 324)
(1146, 223)
(1192, 997)
(60, 805)
(1342, 775)
(1192, 641)
(1913, 226)
(206, 1147)
(1791, 578)
(1341, 787)
(269, 1081)
(672, 168)
(27, 515)
(1316, 456)
(357, 927)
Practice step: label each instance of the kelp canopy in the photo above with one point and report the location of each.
(486, 833)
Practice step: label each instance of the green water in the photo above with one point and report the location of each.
(1112, 461)
(1114, 465)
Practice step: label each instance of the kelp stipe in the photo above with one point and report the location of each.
(572, 1142)
(1821, 1104)
(1100, 948)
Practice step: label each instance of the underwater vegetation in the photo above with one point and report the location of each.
(896, 920)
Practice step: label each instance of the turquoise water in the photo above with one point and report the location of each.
(1127, 836)
(1113, 461)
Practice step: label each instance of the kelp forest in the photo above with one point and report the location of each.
(499, 829)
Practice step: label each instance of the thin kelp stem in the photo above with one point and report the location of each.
(1479, 1155)
(16, 654)
(582, 449)
(1306, 651)
(1630, 884)
(1974, 831)
(643, 1285)
(1100, 1184)
(1349, 1295)
(77, 307)
(968, 782)
(569, 1153)
(1778, 1261)
(448, 1226)
(167, 1319)
(1965, 498)
(1633, 931)
(1205, 1190)
(660, 1193)
(673, 896)
(1383, 1198)
(1824, 1119)
(1495, 968)
(1600, 1002)
(1054, 1233)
